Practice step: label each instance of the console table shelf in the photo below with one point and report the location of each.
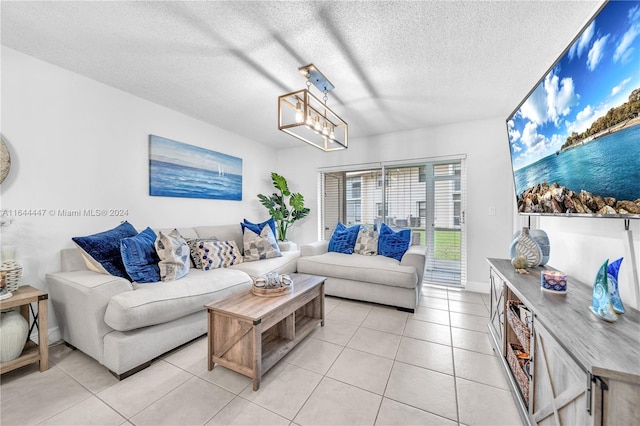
(32, 352)
(584, 370)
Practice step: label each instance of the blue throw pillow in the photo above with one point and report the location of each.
(140, 257)
(393, 244)
(102, 251)
(257, 227)
(344, 238)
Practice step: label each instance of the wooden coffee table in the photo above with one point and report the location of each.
(249, 334)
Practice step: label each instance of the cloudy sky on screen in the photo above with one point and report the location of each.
(597, 73)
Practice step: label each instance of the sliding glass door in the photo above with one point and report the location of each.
(425, 196)
(445, 221)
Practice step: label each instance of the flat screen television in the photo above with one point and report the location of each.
(575, 138)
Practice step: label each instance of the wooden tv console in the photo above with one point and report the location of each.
(581, 370)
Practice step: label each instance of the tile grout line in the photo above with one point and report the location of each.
(324, 375)
(453, 361)
(91, 394)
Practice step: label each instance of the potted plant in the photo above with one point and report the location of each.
(284, 206)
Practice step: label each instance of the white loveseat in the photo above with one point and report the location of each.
(124, 326)
(376, 278)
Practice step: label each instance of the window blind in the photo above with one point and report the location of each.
(426, 196)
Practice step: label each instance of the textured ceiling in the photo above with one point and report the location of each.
(395, 65)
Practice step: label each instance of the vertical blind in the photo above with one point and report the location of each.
(445, 232)
(427, 197)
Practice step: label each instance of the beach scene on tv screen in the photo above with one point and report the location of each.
(575, 141)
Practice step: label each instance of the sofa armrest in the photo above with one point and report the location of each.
(80, 300)
(415, 256)
(313, 249)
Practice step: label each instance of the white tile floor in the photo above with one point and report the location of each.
(368, 365)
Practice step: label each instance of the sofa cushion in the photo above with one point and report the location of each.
(173, 252)
(261, 245)
(285, 264)
(218, 254)
(375, 269)
(220, 233)
(167, 301)
(343, 238)
(101, 251)
(393, 244)
(367, 242)
(140, 258)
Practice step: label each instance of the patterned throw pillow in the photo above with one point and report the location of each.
(218, 254)
(367, 242)
(343, 238)
(257, 227)
(393, 244)
(258, 247)
(174, 255)
(140, 258)
(101, 251)
(195, 251)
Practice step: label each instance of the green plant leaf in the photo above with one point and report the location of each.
(299, 214)
(277, 204)
(278, 200)
(267, 202)
(296, 201)
(280, 183)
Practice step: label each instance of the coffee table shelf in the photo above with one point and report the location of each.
(249, 334)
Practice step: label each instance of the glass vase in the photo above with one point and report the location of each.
(601, 304)
(525, 245)
(612, 283)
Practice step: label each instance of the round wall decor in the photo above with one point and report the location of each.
(5, 160)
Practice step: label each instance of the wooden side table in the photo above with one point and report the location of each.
(32, 352)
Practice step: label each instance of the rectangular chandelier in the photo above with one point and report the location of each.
(304, 116)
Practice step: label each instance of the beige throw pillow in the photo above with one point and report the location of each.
(257, 247)
(174, 255)
(367, 242)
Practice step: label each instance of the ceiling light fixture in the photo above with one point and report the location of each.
(305, 117)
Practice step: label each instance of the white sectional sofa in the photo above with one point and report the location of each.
(124, 326)
(376, 279)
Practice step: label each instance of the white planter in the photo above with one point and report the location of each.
(13, 335)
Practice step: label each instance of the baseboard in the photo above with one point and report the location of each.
(478, 287)
(53, 335)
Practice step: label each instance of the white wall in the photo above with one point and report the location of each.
(579, 246)
(488, 171)
(79, 144)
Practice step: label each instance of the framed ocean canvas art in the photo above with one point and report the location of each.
(177, 169)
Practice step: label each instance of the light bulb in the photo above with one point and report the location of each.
(316, 126)
(332, 134)
(299, 113)
(325, 129)
(309, 121)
